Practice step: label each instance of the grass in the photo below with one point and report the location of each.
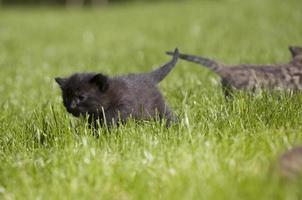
(219, 150)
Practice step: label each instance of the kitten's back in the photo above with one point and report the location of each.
(279, 76)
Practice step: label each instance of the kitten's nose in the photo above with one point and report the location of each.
(73, 104)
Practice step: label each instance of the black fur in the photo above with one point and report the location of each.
(113, 100)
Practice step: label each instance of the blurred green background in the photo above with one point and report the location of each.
(73, 2)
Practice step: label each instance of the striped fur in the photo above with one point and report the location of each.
(251, 77)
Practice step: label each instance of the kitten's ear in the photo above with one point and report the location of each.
(101, 81)
(61, 81)
(295, 50)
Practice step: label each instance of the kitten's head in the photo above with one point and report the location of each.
(296, 52)
(84, 93)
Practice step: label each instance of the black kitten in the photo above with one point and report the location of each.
(113, 100)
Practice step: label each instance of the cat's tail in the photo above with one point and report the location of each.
(211, 64)
(160, 73)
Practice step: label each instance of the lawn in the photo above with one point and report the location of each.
(218, 150)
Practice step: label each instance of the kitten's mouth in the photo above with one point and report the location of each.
(75, 112)
(82, 111)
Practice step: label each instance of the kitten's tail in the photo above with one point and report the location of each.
(160, 73)
(211, 64)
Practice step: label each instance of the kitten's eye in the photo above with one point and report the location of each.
(82, 97)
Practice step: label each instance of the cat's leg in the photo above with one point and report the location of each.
(169, 116)
(228, 93)
(227, 90)
(116, 116)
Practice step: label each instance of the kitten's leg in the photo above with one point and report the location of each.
(170, 117)
(94, 123)
(117, 116)
(228, 93)
(226, 89)
(98, 120)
